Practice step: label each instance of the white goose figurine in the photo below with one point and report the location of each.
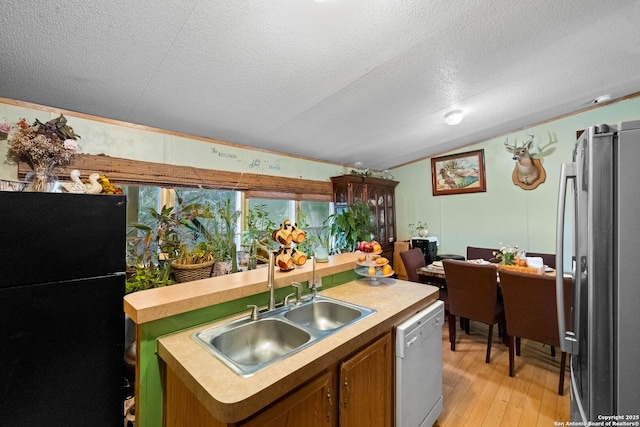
(94, 187)
(76, 185)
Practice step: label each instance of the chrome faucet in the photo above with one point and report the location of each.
(314, 285)
(270, 283)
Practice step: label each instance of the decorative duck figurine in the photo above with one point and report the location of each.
(94, 187)
(76, 185)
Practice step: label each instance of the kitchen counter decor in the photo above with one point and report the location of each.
(288, 256)
(43, 146)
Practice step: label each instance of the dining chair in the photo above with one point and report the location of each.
(486, 254)
(473, 294)
(413, 259)
(530, 308)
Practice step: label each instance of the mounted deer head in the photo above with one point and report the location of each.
(528, 172)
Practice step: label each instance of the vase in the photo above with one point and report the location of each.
(41, 178)
(321, 254)
(220, 268)
(423, 232)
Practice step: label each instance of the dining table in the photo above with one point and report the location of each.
(434, 272)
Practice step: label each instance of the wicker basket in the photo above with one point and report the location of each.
(521, 269)
(189, 272)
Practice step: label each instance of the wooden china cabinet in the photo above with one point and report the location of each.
(379, 195)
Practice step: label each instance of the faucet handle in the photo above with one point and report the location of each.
(254, 311)
(287, 298)
(298, 287)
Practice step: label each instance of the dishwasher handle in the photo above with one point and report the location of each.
(418, 328)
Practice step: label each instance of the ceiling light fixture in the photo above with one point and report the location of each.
(454, 117)
(602, 98)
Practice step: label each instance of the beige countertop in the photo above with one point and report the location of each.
(231, 398)
(153, 304)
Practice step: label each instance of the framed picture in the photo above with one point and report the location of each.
(458, 173)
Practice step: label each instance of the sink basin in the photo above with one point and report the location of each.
(248, 346)
(323, 315)
(251, 346)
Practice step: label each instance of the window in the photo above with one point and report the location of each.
(143, 198)
(309, 215)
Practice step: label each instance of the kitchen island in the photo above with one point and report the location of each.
(230, 398)
(160, 313)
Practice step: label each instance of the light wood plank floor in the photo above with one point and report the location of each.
(481, 394)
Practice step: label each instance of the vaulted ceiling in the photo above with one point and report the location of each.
(343, 81)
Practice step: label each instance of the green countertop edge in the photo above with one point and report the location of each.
(149, 404)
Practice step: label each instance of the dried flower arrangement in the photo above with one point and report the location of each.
(42, 146)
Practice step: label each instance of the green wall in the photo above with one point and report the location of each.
(128, 141)
(505, 212)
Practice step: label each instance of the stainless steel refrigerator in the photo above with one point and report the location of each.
(602, 189)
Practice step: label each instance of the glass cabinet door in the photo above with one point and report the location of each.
(378, 194)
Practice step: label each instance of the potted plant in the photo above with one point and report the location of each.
(256, 238)
(144, 268)
(419, 229)
(221, 237)
(205, 238)
(350, 226)
(174, 244)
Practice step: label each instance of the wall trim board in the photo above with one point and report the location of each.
(122, 171)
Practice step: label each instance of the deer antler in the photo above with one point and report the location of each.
(542, 151)
(508, 147)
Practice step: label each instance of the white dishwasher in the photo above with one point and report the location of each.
(419, 368)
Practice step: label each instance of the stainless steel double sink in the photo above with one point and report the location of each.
(248, 346)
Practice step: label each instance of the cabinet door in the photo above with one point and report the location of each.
(312, 405)
(389, 207)
(358, 192)
(366, 392)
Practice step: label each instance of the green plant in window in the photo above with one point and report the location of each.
(256, 237)
(147, 277)
(311, 240)
(151, 249)
(214, 229)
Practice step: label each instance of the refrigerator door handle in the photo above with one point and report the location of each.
(567, 338)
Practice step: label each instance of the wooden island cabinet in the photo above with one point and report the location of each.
(344, 379)
(379, 195)
(366, 389)
(346, 394)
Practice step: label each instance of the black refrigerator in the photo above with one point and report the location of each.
(62, 283)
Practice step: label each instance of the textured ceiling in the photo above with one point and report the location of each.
(343, 81)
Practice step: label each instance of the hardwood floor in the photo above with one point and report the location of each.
(481, 394)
